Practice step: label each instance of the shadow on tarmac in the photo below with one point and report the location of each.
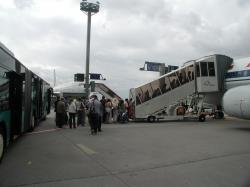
(244, 129)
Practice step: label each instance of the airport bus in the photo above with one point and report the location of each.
(25, 98)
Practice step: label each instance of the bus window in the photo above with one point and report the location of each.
(198, 70)
(156, 88)
(204, 72)
(6, 60)
(211, 69)
(4, 90)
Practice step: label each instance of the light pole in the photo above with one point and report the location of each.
(90, 9)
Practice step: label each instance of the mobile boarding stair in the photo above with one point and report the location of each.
(182, 93)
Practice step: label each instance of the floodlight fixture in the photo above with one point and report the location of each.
(89, 7)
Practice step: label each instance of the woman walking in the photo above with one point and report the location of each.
(108, 108)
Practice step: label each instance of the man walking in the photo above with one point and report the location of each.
(95, 109)
(61, 112)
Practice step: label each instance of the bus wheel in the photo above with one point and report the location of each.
(202, 118)
(2, 143)
(151, 119)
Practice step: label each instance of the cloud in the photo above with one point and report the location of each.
(51, 34)
(22, 4)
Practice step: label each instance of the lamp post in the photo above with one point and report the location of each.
(90, 9)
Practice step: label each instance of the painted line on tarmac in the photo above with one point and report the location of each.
(43, 131)
(85, 149)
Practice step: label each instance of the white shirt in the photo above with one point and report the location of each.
(72, 107)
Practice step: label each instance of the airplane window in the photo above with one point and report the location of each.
(245, 73)
(211, 69)
(240, 74)
(204, 72)
(248, 72)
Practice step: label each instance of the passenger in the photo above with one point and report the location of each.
(61, 113)
(72, 113)
(103, 101)
(132, 114)
(94, 114)
(114, 109)
(122, 112)
(78, 102)
(130, 108)
(108, 108)
(80, 112)
(55, 105)
(126, 105)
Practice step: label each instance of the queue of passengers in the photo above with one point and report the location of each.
(67, 111)
(73, 112)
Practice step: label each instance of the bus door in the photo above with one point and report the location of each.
(15, 100)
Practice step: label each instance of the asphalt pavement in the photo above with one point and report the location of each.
(203, 154)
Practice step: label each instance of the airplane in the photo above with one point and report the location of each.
(236, 100)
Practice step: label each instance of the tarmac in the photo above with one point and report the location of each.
(181, 153)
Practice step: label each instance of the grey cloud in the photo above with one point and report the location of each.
(138, 9)
(22, 4)
(244, 2)
(124, 34)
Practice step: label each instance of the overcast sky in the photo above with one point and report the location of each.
(51, 34)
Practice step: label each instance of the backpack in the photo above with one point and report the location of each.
(91, 110)
(81, 106)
